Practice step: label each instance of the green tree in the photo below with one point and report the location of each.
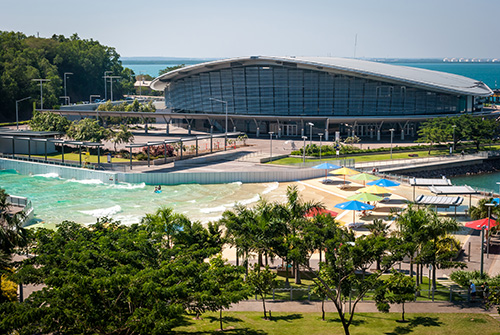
(47, 121)
(480, 211)
(87, 130)
(164, 223)
(398, 289)
(434, 131)
(478, 129)
(122, 135)
(262, 282)
(170, 68)
(226, 286)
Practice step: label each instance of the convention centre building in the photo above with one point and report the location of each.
(292, 96)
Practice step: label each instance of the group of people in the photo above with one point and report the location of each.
(157, 189)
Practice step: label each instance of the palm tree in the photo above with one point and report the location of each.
(163, 222)
(123, 135)
(481, 210)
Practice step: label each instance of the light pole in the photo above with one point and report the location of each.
(111, 88)
(271, 146)
(482, 251)
(489, 226)
(222, 102)
(65, 94)
(304, 150)
(392, 133)
(454, 126)
(498, 183)
(311, 125)
(41, 89)
(106, 84)
(320, 138)
(17, 111)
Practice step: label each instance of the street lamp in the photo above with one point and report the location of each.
(498, 183)
(304, 150)
(106, 84)
(320, 137)
(392, 133)
(111, 88)
(271, 146)
(222, 102)
(489, 205)
(41, 89)
(310, 124)
(65, 94)
(454, 126)
(482, 251)
(17, 112)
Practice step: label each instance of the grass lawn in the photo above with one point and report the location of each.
(364, 158)
(76, 157)
(363, 323)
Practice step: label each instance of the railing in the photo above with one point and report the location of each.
(417, 161)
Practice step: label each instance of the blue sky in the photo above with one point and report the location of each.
(224, 28)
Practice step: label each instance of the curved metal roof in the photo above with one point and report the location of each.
(427, 79)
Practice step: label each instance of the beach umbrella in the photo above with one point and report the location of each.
(354, 206)
(479, 224)
(326, 166)
(363, 177)
(383, 183)
(317, 211)
(345, 172)
(374, 189)
(365, 197)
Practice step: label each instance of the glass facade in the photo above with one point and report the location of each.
(289, 91)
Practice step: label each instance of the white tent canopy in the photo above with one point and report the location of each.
(439, 201)
(430, 181)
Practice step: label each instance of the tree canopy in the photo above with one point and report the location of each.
(23, 58)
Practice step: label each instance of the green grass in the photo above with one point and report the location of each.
(75, 157)
(363, 323)
(364, 158)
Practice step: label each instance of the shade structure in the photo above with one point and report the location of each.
(363, 177)
(317, 211)
(365, 197)
(345, 172)
(374, 189)
(326, 166)
(479, 224)
(383, 183)
(354, 206)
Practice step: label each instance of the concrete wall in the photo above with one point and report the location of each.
(161, 178)
(21, 147)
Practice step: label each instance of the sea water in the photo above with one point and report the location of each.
(83, 201)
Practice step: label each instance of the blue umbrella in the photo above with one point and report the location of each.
(326, 166)
(383, 183)
(354, 205)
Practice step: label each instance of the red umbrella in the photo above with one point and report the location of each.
(479, 224)
(317, 211)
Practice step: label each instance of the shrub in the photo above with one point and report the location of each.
(463, 278)
(158, 150)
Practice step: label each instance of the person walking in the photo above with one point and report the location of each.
(486, 291)
(472, 291)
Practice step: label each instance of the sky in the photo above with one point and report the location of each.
(231, 28)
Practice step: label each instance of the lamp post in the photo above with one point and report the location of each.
(489, 205)
(17, 111)
(454, 126)
(106, 84)
(482, 251)
(41, 89)
(320, 138)
(222, 102)
(111, 87)
(392, 133)
(65, 94)
(310, 124)
(271, 146)
(304, 150)
(498, 183)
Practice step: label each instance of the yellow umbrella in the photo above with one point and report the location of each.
(364, 177)
(374, 189)
(345, 172)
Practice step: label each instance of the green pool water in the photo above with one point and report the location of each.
(82, 201)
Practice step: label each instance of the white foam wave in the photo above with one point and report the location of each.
(47, 175)
(85, 181)
(192, 201)
(221, 208)
(237, 183)
(128, 186)
(100, 212)
(271, 188)
(255, 198)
